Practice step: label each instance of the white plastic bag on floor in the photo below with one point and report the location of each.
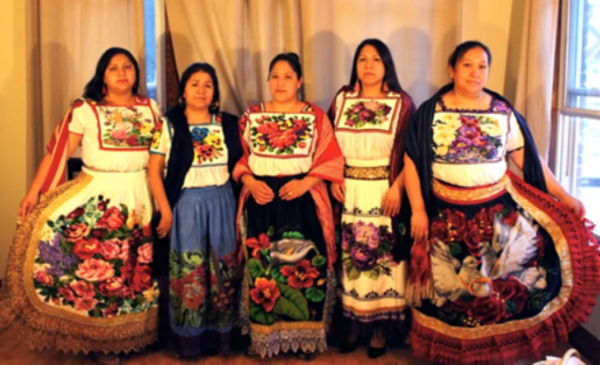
(571, 357)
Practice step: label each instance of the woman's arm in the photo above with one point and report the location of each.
(554, 187)
(32, 197)
(419, 220)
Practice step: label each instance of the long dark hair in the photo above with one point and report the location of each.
(187, 74)
(290, 58)
(94, 88)
(390, 78)
(463, 48)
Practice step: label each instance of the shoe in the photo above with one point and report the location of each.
(375, 352)
(306, 356)
(346, 347)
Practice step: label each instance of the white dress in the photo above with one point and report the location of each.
(372, 282)
(80, 277)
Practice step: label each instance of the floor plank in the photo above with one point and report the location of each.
(13, 351)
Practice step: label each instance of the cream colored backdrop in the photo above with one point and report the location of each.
(240, 38)
(50, 50)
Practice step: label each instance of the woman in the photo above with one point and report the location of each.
(79, 275)
(286, 218)
(370, 118)
(199, 146)
(502, 268)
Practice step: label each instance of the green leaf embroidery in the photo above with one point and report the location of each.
(291, 303)
(352, 273)
(255, 268)
(258, 314)
(455, 249)
(315, 295)
(318, 261)
(372, 274)
(277, 275)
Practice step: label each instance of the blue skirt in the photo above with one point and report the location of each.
(202, 266)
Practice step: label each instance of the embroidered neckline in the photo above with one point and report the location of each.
(490, 108)
(306, 108)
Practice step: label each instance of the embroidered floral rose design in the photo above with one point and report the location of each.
(366, 249)
(280, 134)
(468, 138)
(127, 128)
(364, 113)
(84, 261)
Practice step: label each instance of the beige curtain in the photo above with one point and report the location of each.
(240, 37)
(536, 72)
(237, 37)
(71, 36)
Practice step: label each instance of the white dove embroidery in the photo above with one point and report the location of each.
(518, 243)
(450, 285)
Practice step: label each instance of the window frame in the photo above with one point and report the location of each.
(568, 128)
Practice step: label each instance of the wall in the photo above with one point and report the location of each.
(15, 120)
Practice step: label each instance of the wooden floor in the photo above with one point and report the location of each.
(12, 351)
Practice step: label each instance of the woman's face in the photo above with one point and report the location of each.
(199, 91)
(284, 82)
(369, 66)
(471, 71)
(119, 76)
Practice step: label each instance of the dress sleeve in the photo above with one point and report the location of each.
(77, 119)
(161, 139)
(515, 138)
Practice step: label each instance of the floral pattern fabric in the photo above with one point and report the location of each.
(208, 141)
(357, 114)
(126, 128)
(201, 293)
(366, 250)
(490, 268)
(96, 260)
(469, 138)
(273, 134)
(287, 278)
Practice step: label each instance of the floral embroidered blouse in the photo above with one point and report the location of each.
(470, 146)
(365, 128)
(209, 166)
(279, 143)
(107, 130)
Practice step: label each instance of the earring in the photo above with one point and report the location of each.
(181, 101)
(103, 88)
(214, 105)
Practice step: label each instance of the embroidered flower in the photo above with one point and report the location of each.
(198, 134)
(112, 219)
(83, 289)
(42, 277)
(145, 253)
(86, 248)
(95, 270)
(265, 293)
(261, 243)
(301, 275)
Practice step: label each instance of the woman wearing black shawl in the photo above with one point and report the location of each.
(502, 268)
(196, 263)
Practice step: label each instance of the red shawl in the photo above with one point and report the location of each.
(328, 164)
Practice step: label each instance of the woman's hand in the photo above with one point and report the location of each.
(28, 204)
(338, 191)
(165, 224)
(575, 205)
(391, 201)
(261, 192)
(419, 226)
(293, 189)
